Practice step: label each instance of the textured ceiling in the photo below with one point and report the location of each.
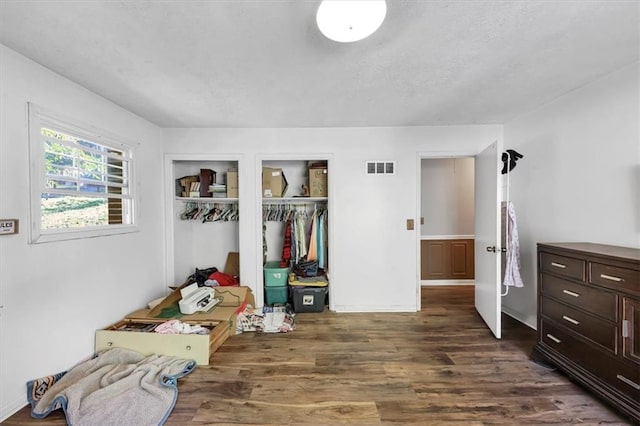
(263, 63)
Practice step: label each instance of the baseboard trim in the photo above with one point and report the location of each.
(12, 408)
(433, 283)
(373, 308)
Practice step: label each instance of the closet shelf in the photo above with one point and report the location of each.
(207, 199)
(293, 200)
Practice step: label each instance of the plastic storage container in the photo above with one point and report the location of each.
(308, 299)
(275, 295)
(274, 275)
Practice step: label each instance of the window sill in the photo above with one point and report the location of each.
(81, 233)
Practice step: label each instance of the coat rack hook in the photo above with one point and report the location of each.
(509, 159)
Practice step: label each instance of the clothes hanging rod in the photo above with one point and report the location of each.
(293, 200)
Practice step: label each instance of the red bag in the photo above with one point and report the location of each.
(223, 279)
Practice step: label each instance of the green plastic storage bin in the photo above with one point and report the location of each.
(275, 295)
(274, 275)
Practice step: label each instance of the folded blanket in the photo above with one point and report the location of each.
(117, 387)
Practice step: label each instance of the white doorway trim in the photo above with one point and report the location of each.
(429, 155)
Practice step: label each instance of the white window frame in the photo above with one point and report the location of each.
(39, 118)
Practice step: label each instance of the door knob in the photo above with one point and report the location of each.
(491, 249)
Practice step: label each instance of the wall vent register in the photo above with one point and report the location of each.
(381, 167)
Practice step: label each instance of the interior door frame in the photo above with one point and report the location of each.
(430, 155)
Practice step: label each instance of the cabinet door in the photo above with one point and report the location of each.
(435, 259)
(631, 331)
(447, 259)
(462, 259)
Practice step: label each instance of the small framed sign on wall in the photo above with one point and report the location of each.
(8, 226)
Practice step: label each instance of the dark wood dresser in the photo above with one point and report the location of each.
(589, 318)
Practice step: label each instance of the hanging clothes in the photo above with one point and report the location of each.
(512, 276)
(301, 240)
(321, 240)
(286, 246)
(312, 253)
(264, 243)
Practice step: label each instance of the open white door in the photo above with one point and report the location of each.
(487, 234)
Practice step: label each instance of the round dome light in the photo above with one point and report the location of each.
(346, 21)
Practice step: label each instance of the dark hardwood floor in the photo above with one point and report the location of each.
(439, 366)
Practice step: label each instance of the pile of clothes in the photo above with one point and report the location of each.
(212, 277)
(269, 319)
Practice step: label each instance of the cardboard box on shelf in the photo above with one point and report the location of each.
(183, 185)
(232, 265)
(274, 183)
(232, 183)
(318, 180)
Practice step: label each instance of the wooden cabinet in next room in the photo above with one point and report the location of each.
(447, 259)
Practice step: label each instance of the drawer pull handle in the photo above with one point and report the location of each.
(109, 344)
(571, 293)
(558, 265)
(554, 338)
(628, 381)
(571, 320)
(188, 347)
(611, 278)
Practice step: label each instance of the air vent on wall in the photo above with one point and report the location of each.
(381, 167)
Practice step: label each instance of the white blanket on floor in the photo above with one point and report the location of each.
(117, 387)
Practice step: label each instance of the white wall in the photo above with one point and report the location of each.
(373, 258)
(579, 178)
(447, 202)
(55, 295)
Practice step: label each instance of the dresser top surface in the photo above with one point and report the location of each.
(626, 253)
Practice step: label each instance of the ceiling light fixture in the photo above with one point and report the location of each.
(346, 21)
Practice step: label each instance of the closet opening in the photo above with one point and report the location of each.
(447, 221)
(294, 221)
(203, 211)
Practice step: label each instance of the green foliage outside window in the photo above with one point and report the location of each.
(74, 169)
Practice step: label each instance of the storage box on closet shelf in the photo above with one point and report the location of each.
(218, 190)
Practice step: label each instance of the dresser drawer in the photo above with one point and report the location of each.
(593, 300)
(198, 347)
(615, 277)
(595, 329)
(615, 373)
(562, 265)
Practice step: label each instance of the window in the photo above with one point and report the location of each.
(81, 180)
